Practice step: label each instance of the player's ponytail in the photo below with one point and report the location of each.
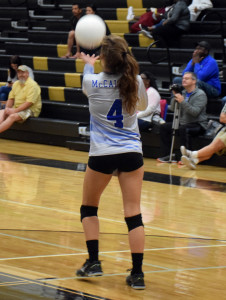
(118, 59)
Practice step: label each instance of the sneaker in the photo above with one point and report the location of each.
(130, 14)
(136, 281)
(90, 269)
(147, 34)
(162, 121)
(188, 162)
(166, 159)
(185, 152)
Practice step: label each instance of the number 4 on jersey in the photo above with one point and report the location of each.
(115, 113)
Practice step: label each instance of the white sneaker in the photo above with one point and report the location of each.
(185, 151)
(146, 33)
(161, 121)
(157, 119)
(130, 14)
(188, 162)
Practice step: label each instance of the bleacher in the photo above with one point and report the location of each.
(38, 33)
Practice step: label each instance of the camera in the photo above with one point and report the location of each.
(176, 88)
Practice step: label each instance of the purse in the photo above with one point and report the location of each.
(213, 128)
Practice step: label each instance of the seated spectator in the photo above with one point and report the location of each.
(197, 6)
(218, 146)
(146, 30)
(14, 62)
(206, 69)
(176, 22)
(90, 10)
(152, 112)
(192, 116)
(77, 14)
(24, 100)
(146, 20)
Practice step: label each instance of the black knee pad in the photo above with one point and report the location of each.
(88, 211)
(134, 222)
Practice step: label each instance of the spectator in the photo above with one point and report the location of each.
(152, 112)
(146, 20)
(77, 14)
(146, 30)
(24, 100)
(218, 146)
(115, 145)
(192, 118)
(176, 23)
(90, 10)
(206, 69)
(197, 6)
(14, 62)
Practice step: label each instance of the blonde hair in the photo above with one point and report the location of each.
(119, 59)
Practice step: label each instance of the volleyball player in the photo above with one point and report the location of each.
(114, 96)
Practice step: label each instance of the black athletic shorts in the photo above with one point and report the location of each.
(124, 162)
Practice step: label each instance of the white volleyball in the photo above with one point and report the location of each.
(90, 31)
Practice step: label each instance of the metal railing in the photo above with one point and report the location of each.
(220, 19)
(162, 59)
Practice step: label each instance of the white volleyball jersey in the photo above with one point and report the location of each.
(112, 129)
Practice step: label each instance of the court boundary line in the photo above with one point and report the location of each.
(107, 252)
(104, 219)
(52, 286)
(148, 176)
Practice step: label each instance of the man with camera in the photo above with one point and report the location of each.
(191, 102)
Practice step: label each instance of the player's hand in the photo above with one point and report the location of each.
(89, 59)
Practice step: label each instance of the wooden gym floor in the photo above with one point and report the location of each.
(42, 242)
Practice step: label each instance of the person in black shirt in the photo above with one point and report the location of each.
(77, 14)
(89, 10)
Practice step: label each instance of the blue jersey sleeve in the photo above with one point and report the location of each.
(88, 69)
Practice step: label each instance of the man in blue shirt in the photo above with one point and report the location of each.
(206, 69)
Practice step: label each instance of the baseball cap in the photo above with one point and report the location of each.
(23, 68)
(204, 44)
